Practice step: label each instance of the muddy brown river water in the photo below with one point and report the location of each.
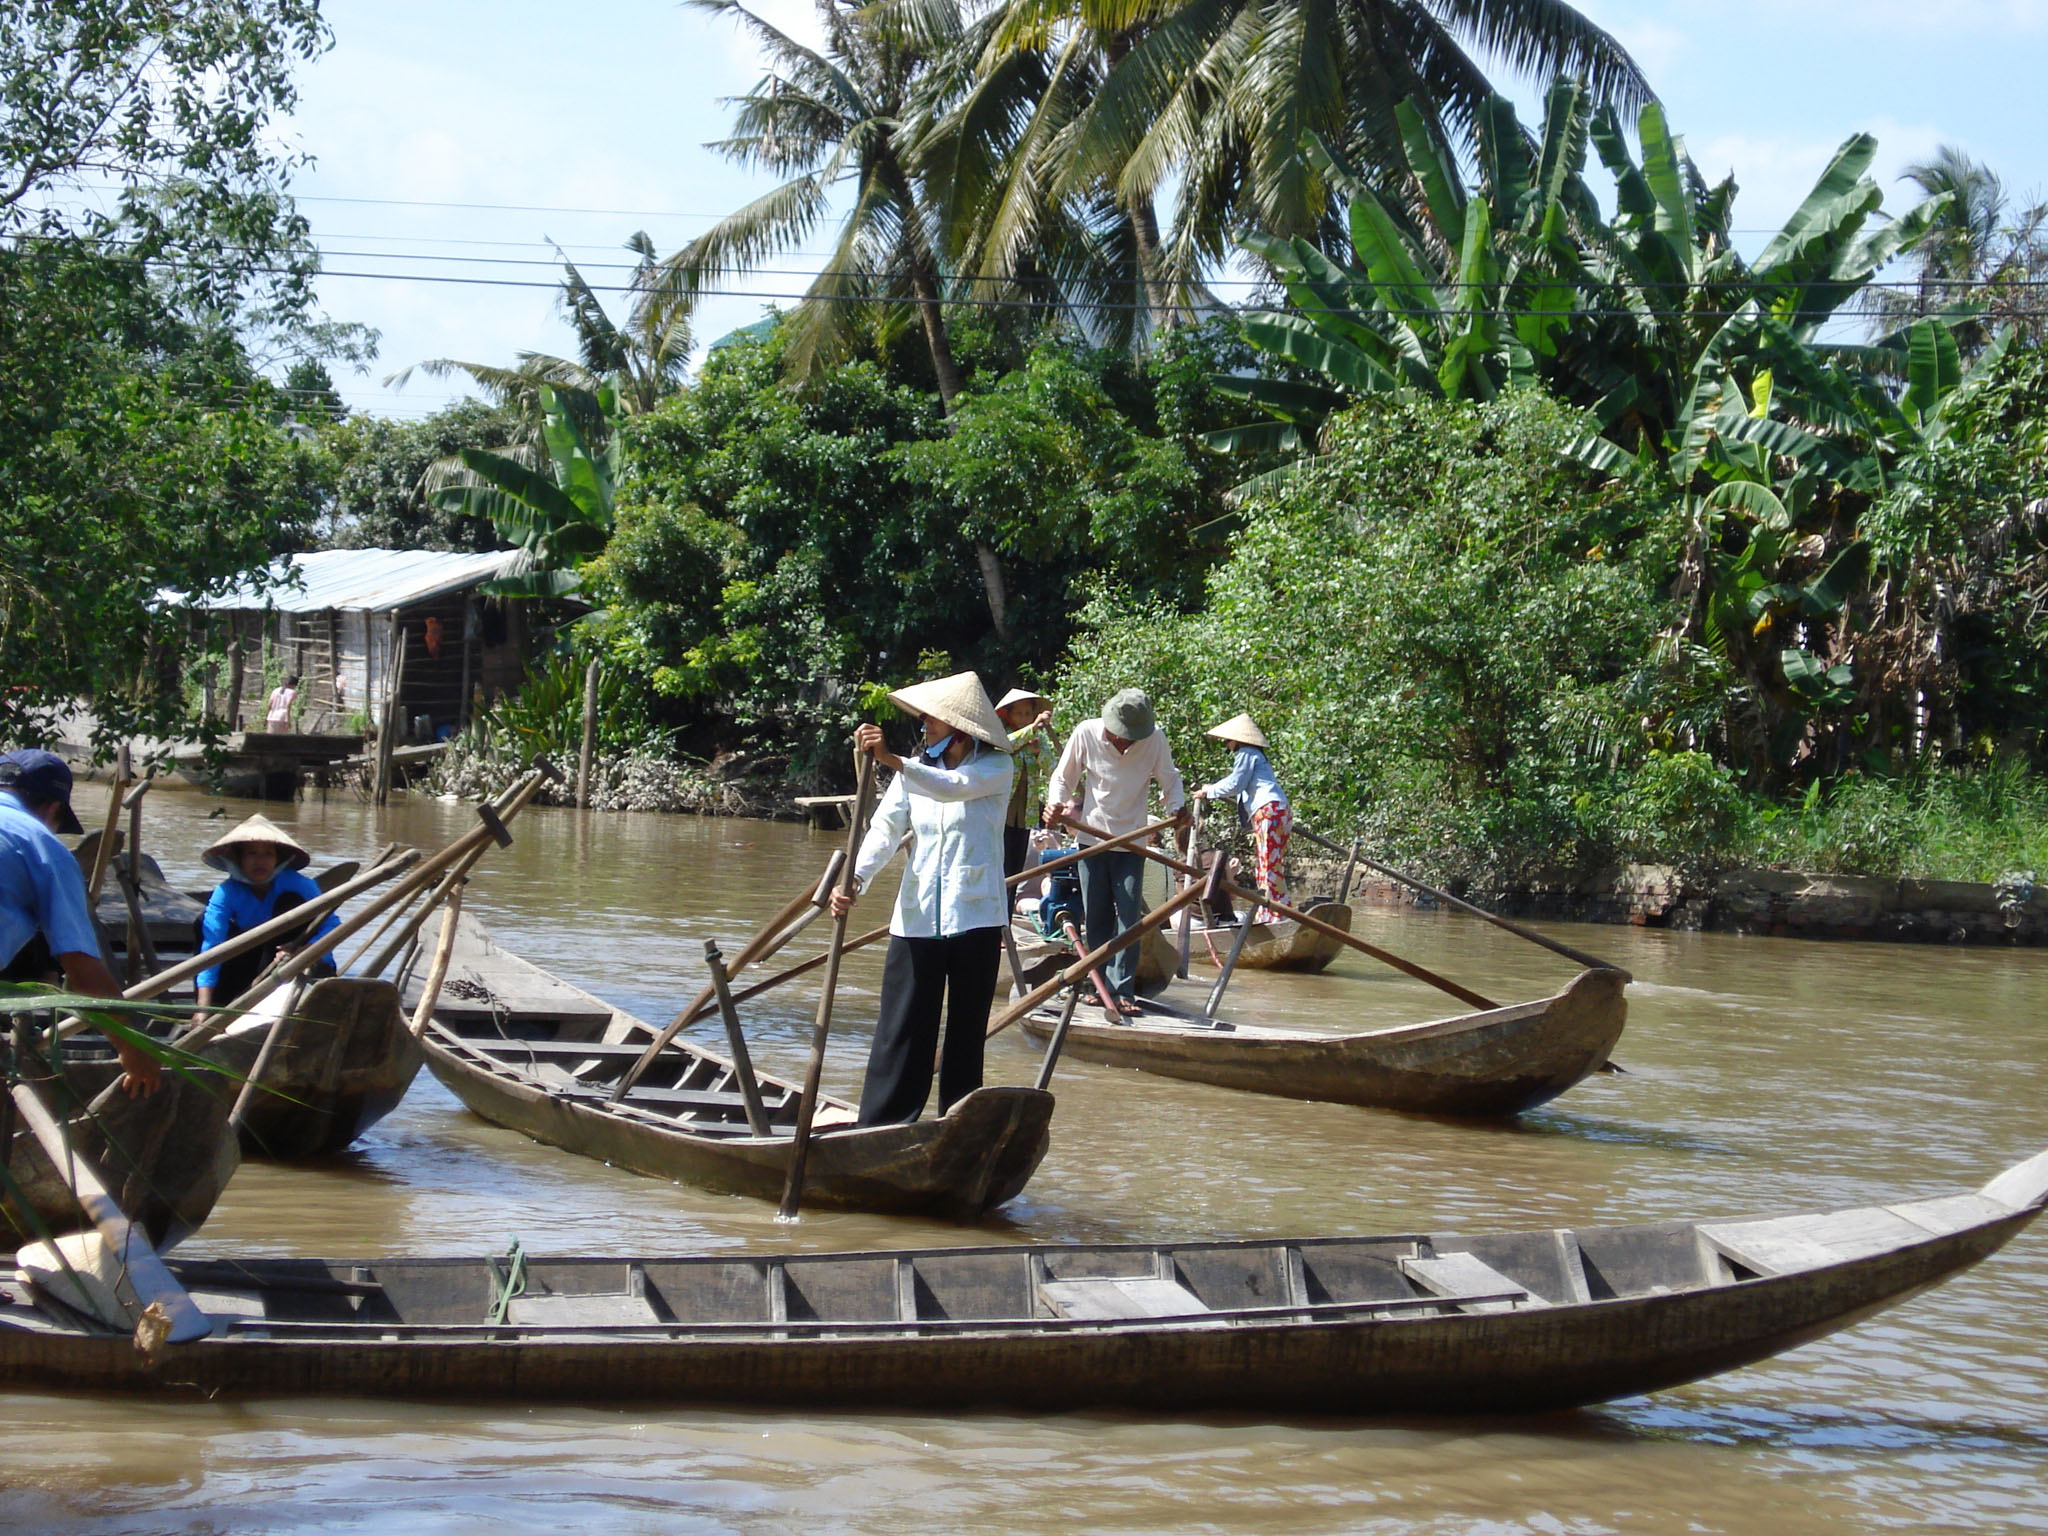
(1764, 1076)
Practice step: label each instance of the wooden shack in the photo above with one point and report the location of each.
(336, 618)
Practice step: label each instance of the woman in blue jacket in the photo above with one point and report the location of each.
(262, 863)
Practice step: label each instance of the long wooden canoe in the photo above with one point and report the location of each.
(529, 1051)
(165, 1158)
(344, 1061)
(1438, 1323)
(1499, 1062)
(1281, 946)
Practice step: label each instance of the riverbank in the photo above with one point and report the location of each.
(1759, 902)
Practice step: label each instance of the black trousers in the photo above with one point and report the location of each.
(919, 976)
(1016, 849)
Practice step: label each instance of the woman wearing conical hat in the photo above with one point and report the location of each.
(262, 862)
(1262, 804)
(945, 940)
(1027, 716)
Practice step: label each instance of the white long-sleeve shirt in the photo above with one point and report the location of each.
(1118, 783)
(954, 817)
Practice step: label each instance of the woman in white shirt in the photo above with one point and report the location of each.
(1262, 805)
(946, 936)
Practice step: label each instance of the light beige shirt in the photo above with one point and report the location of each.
(1118, 783)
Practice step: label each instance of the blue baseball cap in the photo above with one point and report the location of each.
(37, 776)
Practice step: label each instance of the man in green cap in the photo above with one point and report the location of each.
(1119, 757)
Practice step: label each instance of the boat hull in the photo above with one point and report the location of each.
(958, 1167)
(1482, 1065)
(1282, 946)
(888, 1330)
(344, 1061)
(165, 1159)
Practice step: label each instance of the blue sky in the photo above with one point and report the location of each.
(452, 139)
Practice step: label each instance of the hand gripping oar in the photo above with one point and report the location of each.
(807, 1107)
(1578, 955)
(796, 915)
(1257, 898)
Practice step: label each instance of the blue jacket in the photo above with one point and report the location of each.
(40, 888)
(236, 907)
(1251, 782)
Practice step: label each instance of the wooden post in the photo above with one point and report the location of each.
(1187, 916)
(742, 1062)
(471, 623)
(235, 664)
(387, 741)
(589, 738)
(807, 1107)
(1350, 869)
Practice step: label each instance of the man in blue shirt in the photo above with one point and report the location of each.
(42, 893)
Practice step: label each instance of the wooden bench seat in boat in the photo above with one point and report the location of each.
(1463, 1280)
(1101, 1300)
(592, 1049)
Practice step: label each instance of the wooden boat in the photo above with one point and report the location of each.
(1499, 1062)
(527, 1050)
(1040, 958)
(1500, 1323)
(1282, 946)
(345, 1059)
(166, 1158)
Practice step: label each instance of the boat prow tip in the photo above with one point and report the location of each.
(2022, 1187)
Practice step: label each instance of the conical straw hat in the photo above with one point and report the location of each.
(291, 853)
(1240, 729)
(1020, 696)
(960, 701)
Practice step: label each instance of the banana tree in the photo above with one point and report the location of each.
(1455, 292)
(557, 518)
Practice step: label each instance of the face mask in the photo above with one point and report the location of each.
(935, 751)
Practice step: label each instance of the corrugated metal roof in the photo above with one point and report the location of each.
(377, 579)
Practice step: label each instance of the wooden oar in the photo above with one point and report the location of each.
(1187, 916)
(872, 936)
(1258, 898)
(437, 973)
(1578, 955)
(1092, 960)
(795, 915)
(470, 842)
(1107, 845)
(807, 1107)
(104, 854)
(496, 817)
(145, 1272)
(1059, 1038)
(262, 933)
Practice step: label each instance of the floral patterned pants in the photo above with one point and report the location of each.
(1272, 825)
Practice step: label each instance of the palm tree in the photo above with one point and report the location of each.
(1972, 255)
(1217, 100)
(820, 118)
(641, 361)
